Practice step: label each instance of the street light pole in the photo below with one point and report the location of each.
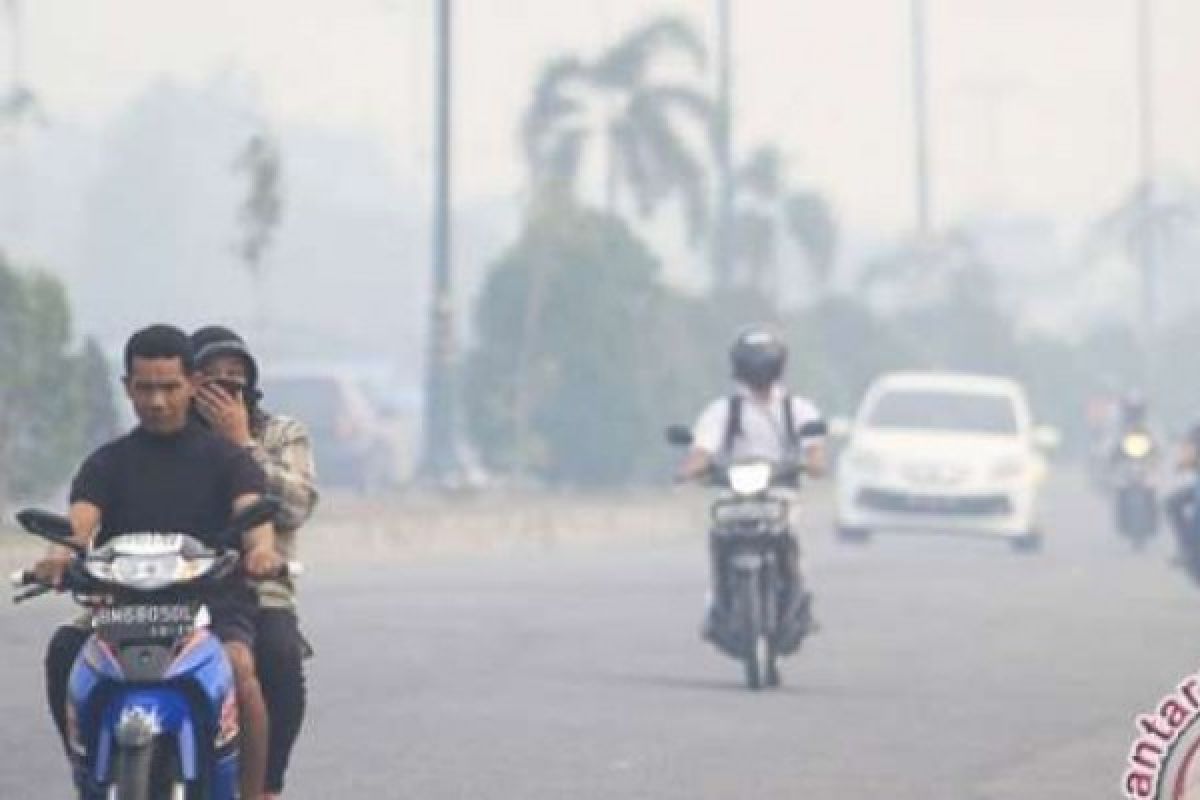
(1146, 226)
(440, 461)
(16, 57)
(920, 119)
(723, 136)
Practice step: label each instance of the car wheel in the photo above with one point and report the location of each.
(1030, 542)
(853, 535)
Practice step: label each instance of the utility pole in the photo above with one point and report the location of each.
(723, 141)
(440, 464)
(920, 119)
(1147, 244)
(16, 79)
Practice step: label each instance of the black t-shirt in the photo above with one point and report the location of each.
(179, 483)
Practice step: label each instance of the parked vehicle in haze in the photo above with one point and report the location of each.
(359, 441)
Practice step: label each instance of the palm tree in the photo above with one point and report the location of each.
(763, 206)
(18, 103)
(260, 213)
(1154, 226)
(614, 104)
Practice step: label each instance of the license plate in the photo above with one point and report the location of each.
(750, 511)
(151, 620)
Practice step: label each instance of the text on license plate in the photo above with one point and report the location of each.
(143, 615)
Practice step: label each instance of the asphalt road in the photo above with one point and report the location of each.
(946, 668)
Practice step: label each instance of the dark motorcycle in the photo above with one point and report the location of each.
(751, 529)
(1135, 496)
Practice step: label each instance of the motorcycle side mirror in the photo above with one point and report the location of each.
(816, 427)
(53, 528)
(1047, 438)
(257, 513)
(679, 435)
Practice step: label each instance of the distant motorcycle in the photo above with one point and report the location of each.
(1135, 496)
(152, 710)
(751, 523)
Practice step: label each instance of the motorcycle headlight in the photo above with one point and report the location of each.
(147, 573)
(747, 479)
(192, 568)
(100, 570)
(1136, 445)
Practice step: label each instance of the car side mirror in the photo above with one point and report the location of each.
(1046, 438)
(679, 435)
(840, 427)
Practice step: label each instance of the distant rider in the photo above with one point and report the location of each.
(759, 420)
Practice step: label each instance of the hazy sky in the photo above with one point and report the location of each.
(1033, 100)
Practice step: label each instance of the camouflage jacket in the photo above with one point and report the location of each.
(283, 449)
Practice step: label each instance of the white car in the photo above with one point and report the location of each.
(943, 452)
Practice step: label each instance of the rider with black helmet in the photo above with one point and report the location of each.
(760, 419)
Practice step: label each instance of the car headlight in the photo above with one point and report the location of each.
(745, 479)
(1009, 467)
(865, 461)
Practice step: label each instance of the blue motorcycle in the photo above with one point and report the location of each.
(151, 706)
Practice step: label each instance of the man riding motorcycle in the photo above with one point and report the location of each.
(1132, 418)
(1133, 461)
(760, 419)
(170, 474)
(227, 400)
(1183, 504)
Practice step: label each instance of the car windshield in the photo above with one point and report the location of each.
(944, 411)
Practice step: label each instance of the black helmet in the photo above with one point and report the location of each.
(214, 340)
(758, 357)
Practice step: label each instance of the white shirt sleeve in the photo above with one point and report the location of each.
(708, 434)
(805, 411)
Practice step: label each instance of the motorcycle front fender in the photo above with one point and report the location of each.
(152, 711)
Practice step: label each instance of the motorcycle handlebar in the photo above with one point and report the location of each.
(27, 580)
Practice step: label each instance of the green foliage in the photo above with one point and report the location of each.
(560, 384)
(616, 103)
(44, 424)
(262, 208)
(100, 418)
(767, 211)
(584, 357)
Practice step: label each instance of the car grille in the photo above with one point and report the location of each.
(905, 503)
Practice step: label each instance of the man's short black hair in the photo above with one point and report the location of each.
(159, 341)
